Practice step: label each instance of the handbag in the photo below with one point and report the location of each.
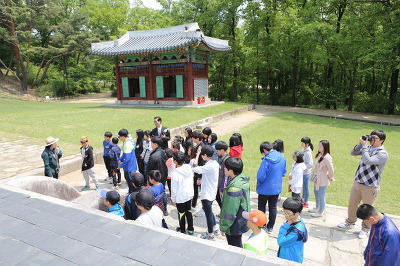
(313, 177)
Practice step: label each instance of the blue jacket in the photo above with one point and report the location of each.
(383, 244)
(106, 148)
(114, 153)
(117, 209)
(270, 173)
(128, 158)
(291, 240)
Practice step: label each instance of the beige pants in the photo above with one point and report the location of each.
(90, 173)
(358, 193)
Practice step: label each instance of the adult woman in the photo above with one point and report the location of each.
(212, 139)
(323, 172)
(308, 147)
(51, 158)
(188, 139)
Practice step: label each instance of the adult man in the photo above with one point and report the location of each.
(367, 178)
(384, 240)
(128, 158)
(157, 159)
(161, 131)
(269, 181)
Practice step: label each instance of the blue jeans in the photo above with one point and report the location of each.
(306, 188)
(207, 207)
(320, 198)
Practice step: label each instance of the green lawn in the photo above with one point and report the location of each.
(69, 121)
(342, 135)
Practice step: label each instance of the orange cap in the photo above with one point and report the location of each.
(84, 139)
(256, 216)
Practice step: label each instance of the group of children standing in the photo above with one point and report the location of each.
(195, 162)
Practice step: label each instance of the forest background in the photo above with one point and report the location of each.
(317, 53)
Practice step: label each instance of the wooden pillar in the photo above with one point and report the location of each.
(190, 82)
(118, 85)
(152, 86)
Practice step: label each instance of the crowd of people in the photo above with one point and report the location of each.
(200, 166)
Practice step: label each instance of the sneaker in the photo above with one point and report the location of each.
(305, 205)
(166, 213)
(115, 187)
(119, 183)
(207, 236)
(316, 214)
(97, 187)
(178, 229)
(199, 213)
(190, 232)
(85, 188)
(269, 230)
(345, 225)
(362, 234)
(313, 210)
(194, 210)
(217, 232)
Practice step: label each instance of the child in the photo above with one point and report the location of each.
(139, 150)
(258, 240)
(131, 210)
(197, 138)
(150, 215)
(115, 153)
(110, 200)
(87, 164)
(158, 190)
(209, 184)
(206, 133)
(128, 158)
(296, 175)
(182, 192)
(293, 233)
(170, 166)
(221, 147)
(212, 139)
(236, 149)
(146, 149)
(308, 147)
(106, 156)
(236, 199)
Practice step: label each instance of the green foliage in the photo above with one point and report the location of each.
(371, 103)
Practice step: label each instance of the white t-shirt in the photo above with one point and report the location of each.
(209, 181)
(153, 217)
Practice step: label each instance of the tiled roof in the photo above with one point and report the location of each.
(159, 40)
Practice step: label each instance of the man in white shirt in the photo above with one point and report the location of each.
(209, 185)
(151, 215)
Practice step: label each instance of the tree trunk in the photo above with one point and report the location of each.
(394, 84)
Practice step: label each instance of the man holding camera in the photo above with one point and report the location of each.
(367, 178)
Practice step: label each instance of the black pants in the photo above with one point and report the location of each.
(140, 163)
(218, 198)
(196, 191)
(169, 186)
(296, 195)
(272, 201)
(107, 161)
(128, 179)
(184, 214)
(116, 175)
(234, 240)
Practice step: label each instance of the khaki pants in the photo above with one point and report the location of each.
(358, 193)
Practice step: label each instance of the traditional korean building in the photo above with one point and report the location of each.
(167, 66)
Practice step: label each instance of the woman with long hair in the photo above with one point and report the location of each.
(322, 175)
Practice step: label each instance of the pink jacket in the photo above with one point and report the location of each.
(324, 171)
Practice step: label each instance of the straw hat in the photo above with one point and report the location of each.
(51, 141)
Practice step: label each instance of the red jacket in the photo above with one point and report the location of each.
(236, 151)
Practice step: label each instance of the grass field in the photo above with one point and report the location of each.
(69, 121)
(342, 135)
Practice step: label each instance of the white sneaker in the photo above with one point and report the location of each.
(217, 232)
(362, 234)
(317, 214)
(313, 210)
(345, 225)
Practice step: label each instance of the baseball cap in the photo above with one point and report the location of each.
(137, 179)
(298, 153)
(256, 216)
(123, 133)
(112, 196)
(144, 197)
(84, 139)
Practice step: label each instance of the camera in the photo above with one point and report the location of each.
(367, 137)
